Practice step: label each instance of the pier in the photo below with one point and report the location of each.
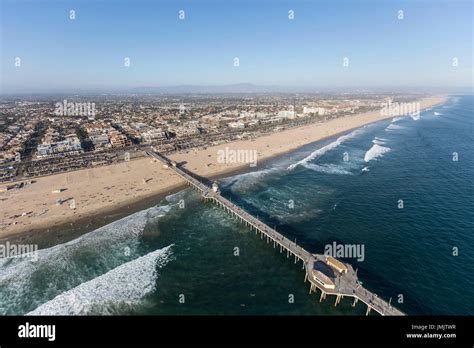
(326, 274)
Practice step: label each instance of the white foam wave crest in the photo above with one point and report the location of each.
(321, 151)
(375, 151)
(365, 169)
(393, 126)
(105, 244)
(396, 119)
(127, 284)
(415, 116)
(327, 169)
(174, 197)
(437, 113)
(379, 141)
(247, 180)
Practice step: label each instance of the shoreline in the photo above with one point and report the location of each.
(76, 226)
(93, 222)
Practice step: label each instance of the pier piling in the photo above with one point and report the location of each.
(348, 284)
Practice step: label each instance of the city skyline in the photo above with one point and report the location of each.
(426, 49)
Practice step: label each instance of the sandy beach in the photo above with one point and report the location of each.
(119, 189)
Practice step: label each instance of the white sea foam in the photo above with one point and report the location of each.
(379, 141)
(174, 197)
(415, 116)
(396, 119)
(365, 169)
(61, 264)
(327, 168)
(393, 126)
(247, 180)
(126, 284)
(437, 113)
(375, 151)
(321, 151)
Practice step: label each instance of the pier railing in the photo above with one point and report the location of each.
(346, 284)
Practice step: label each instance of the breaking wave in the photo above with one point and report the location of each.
(393, 126)
(327, 169)
(66, 265)
(396, 119)
(379, 141)
(375, 151)
(125, 285)
(321, 151)
(246, 181)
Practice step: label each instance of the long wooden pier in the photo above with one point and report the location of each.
(330, 276)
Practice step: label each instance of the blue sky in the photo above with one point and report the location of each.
(88, 53)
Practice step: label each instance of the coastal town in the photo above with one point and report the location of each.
(63, 160)
(237, 169)
(44, 136)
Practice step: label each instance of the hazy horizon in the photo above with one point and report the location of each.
(241, 88)
(290, 45)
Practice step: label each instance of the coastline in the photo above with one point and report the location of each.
(149, 182)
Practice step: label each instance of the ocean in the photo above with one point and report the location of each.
(402, 188)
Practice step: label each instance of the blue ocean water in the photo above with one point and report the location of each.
(346, 189)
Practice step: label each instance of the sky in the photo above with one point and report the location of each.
(88, 53)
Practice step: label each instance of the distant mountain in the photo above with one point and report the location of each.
(240, 88)
(249, 88)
